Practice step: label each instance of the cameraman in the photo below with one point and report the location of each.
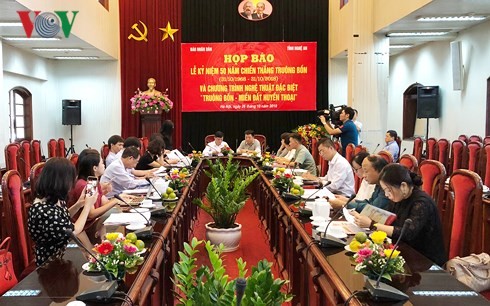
(347, 132)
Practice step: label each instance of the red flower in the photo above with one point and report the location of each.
(105, 248)
(288, 175)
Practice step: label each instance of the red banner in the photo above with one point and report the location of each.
(249, 76)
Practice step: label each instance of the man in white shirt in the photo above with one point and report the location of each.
(117, 173)
(250, 144)
(339, 172)
(115, 144)
(215, 147)
(391, 145)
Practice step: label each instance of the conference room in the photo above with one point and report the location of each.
(76, 73)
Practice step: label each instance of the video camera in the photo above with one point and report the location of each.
(332, 114)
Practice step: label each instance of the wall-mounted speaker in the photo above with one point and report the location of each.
(72, 112)
(428, 102)
(457, 65)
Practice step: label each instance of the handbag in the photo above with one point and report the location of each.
(473, 270)
(7, 275)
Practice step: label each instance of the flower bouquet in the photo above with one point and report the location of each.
(178, 178)
(371, 255)
(282, 180)
(310, 131)
(119, 254)
(144, 103)
(226, 150)
(195, 156)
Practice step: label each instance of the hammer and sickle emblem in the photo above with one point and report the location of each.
(137, 29)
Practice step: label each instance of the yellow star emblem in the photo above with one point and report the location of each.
(168, 31)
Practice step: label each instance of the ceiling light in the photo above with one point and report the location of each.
(408, 34)
(16, 38)
(57, 49)
(400, 46)
(76, 57)
(11, 24)
(451, 18)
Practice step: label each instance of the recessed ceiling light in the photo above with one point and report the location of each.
(76, 57)
(57, 49)
(400, 46)
(451, 18)
(407, 34)
(14, 38)
(11, 24)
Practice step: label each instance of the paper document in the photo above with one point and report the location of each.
(184, 161)
(127, 218)
(324, 192)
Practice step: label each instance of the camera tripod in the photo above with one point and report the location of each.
(71, 149)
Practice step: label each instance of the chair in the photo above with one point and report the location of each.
(417, 148)
(323, 166)
(338, 146)
(14, 223)
(443, 152)
(62, 152)
(486, 140)
(35, 152)
(34, 176)
(431, 148)
(52, 148)
(399, 143)
(350, 152)
(386, 156)
(74, 159)
(475, 138)
(463, 138)
(433, 175)
(474, 148)
(104, 151)
(409, 161)
(458, 155)
(25, 160)
(464, 217)
(209, 138)
(359, 149)
(12, 153)
(314, 151)
(485, 164)
(144, 144)
(263, 141)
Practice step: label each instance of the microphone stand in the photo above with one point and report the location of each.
(375, 149)
(329, 241)
(151, 183)
(302, 209)
(240, 286)
(381, 291)
(147, 231)
(102, 292)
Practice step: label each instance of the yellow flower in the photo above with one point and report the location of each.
(388, 252)
(112, 236)
(378, 237)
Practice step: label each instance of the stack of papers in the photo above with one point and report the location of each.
(127, 218)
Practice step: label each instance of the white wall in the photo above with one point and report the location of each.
(462, 112)
(96, 83)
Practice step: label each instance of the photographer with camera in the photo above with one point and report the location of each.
(347, 131)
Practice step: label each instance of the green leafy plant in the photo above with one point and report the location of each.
(226, 193)
(211, 286)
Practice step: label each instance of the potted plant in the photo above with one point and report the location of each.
(212, 286)
(225, 197)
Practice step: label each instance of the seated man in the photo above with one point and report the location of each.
(215, 147)
(250, 144)
(302, 158)
(391, 145)
(339, 172)
(115, 144)
(118, 173)
(286, 154)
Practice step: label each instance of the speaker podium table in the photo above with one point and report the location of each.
(150, 123)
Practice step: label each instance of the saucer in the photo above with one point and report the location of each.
(86, 267)
(154, 197)
(141, 210)
(145, 205)
(135, 226)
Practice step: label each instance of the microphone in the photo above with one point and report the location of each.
(147, 230)
(400, 155)
(151, 183)
(384, 292)
(189, 143)
(185, 164)
(104, 291)
(103, 142)
(236, 145)
(311, 195)
(240, 286)
(329, 241)
(375, 148)
(212, 149)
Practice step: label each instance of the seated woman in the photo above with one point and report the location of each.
(91, 164)
(408, 201)
(49, 217)
(153, 157)
(372, 166)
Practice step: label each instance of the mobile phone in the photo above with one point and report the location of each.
(92, 182)
(22, 293)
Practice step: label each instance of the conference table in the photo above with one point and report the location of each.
(317, 276)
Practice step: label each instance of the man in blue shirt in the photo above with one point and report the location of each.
(391, 145)
(348, 131)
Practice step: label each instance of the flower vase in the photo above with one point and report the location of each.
(121, 272)
(194, 163)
